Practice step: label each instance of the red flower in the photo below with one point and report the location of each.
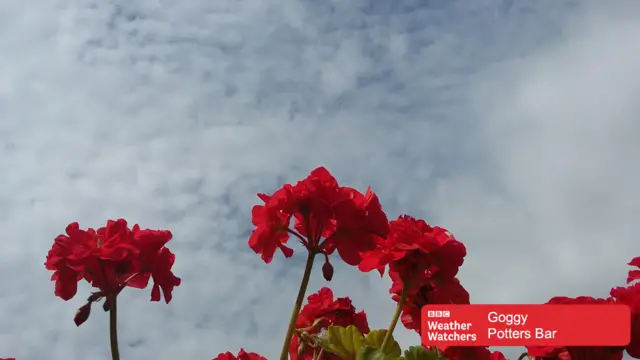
(426, 257)
(271, 231)
(242, 355)
(634, 274)
(577, 352)
(104, 258)
(320, 312)
(630, 296)
(416, 251)
(472, 353)
(110, 259)
(435, 292)
(360, 224)
(155, 262)
(546, 352)
(349, 221)
(497, 355)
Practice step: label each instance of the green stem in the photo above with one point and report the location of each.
(296, 308)
(113, 327)
(396, 316)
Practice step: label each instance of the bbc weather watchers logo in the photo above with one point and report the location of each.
(438, 314)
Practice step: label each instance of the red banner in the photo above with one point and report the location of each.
(526, 325)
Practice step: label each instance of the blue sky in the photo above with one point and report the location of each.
(512, 123)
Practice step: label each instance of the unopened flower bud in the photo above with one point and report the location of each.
(327, 269)
(82, 314)
(95, 296)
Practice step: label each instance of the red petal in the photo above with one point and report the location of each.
(288, 252)
(155, 293)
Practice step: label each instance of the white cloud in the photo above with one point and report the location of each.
(512, 124)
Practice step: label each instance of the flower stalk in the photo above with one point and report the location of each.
(113, 327)
(523, 356)
(296, 308)
(396, 316)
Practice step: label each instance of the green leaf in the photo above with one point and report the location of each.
(420, 353)
(370, 353)
(344, 342)
(375, 338)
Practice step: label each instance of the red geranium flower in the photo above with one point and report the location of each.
(110, 259)
(577, 352)
(271, 231)
(320, 312)
(349, 221)
(415, 251)
(574, 353)
(547, 352)
(360, 224)
(472, 353)
(155, 262)
(428, 258)
(242, 355)
(630, 296)
(448, 291)
(104, 259)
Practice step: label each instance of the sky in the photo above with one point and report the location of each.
(512, 123)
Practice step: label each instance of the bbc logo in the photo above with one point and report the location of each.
(438, 313)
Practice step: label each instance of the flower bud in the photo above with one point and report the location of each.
(327, 269)
(95, 296)
(82, 314)
(106, 305)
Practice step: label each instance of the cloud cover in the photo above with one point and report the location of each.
(512, 123)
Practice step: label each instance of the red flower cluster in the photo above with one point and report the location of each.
(242, 355)
(320, 312)
(110, 259)
(423, 258)
(435, 292)
(423, 262)
(629, 296)
(414, 250)
(349, 221)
